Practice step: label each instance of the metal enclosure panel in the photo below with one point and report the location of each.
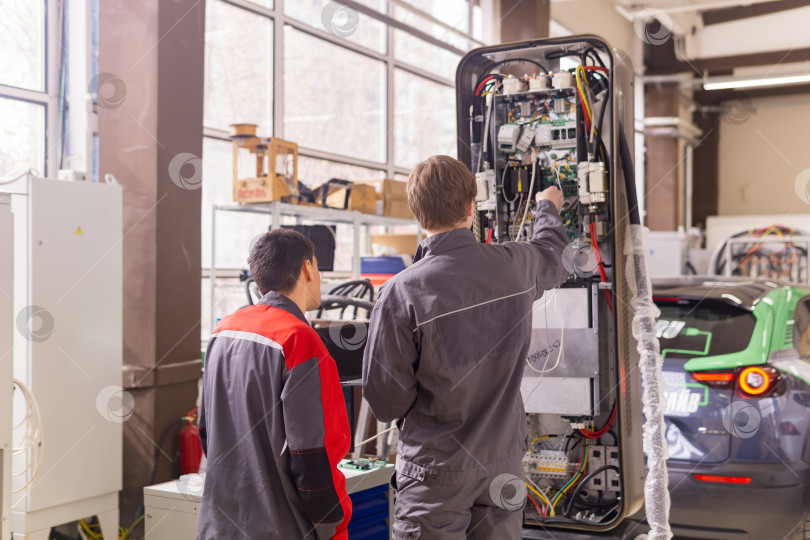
(619, 380)
(6, 332)
(70, 236)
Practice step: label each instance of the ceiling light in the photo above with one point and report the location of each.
(751, 83)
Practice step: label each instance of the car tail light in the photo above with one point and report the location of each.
(752, 381)
(723, 479)
(715, 379)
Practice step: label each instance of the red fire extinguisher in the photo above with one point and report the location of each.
(190, 448)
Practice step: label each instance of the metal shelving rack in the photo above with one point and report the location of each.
(329, 216)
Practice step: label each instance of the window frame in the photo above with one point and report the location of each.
(279, 20)
(48, 97)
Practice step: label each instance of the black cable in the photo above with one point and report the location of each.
(162, 439)
(595, 55)
(247, 290)
(629, 180)
(691, 268)
(598, 136)
(582, 483)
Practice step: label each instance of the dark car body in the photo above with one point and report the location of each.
(735, 364)
(739, 459)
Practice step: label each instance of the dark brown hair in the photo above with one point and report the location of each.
(440, 191)
(277, 258)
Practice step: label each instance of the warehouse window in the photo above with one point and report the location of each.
(23, 92)
(365, 89)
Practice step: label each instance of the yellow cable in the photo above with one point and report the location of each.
(540, 495)
(540, 438)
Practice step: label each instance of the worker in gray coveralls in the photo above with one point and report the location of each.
(445, 355)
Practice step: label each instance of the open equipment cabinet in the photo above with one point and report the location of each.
(542, 125)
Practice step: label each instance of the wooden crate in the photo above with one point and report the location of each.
(268, 185)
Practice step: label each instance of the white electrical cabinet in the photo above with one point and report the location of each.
(68, 349)
(6, 332)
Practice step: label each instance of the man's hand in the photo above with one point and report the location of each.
(552, 194)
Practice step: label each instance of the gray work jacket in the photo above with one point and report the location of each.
(447, 343)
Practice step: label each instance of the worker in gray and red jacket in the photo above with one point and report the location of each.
(447, 343)
(273, 421)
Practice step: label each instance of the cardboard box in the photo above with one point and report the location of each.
(361, 197)
(394, 197)
(262, 189)
(399, 243)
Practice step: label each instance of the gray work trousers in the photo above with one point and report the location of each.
(429, 511)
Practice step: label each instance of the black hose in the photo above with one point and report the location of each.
(629, 178)
(163, 436)
(582, 483)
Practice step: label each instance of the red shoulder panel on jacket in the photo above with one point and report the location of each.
(298, 340)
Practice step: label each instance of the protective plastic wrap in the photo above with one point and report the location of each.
(656, 492)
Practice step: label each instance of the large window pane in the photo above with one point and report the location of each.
(424, 119)
(334, 98)
(452, 12)
(342, 21)
(424, 55)
(22, 136)
(314, 172)
(234, 230)
(22, 43)
(238, 67)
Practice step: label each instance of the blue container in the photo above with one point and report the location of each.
(370, 514)
(381, 265)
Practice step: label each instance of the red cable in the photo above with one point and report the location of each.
(481, 85)
(535, 504)
(596, 68)
(604, 429)
(489, 236)
(602, 272)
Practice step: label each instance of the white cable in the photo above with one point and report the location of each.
(531, 188)
(489, 99)
(503, 180)
(14, 177)
(548, 340)
(34, 437)
(380, 434)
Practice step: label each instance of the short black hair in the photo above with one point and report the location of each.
(277, 258)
